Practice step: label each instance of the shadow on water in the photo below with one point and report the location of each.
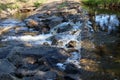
(107, 46)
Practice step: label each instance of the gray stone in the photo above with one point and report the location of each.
(4, 51)
(50, 55)
(6, 66)
(49, 75)
(54, 21)
(23, 73)
(16, 59)
(6, 77)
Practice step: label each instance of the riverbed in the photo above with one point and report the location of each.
(85, 45)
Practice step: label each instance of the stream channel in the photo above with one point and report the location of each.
(65, 33)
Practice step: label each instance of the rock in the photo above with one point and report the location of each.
(6, 77)
(72, 11)
(68, 78)
(51, 55)
(21, 29)
(52, 58)
(71, 69)
(6, 66)
(11, 23)
(20, 73)
(30, 63)
(44, 68)
(4, 51)
(72, 44)
(74, 18)
(61, 66)
(16, 59)
(32, 24)
(54, 21)
(49, 75)
(28, 9)
(40, 75)
(62, 27)
(72, 77)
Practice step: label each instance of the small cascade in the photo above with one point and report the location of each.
(107, 22)
(65, 35)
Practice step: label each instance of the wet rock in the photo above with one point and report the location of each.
(30, 63)
(65, 38)
(68, 78)
(6, 66)
(72, 44)
(38, 17)
(36, 51)
(4, 51)
(72, 77)
(63, 27)
(54, 21)
(74, 18)
(32, 24)
(11, 23)
(44, 68)
(49, 75)
(20, 73)
(6, 77)
(53, 58)
(71, 69)
(16, 59)
(21, 29)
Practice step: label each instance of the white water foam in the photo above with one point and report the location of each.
(109, 22)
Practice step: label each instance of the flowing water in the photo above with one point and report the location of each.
(105, 33)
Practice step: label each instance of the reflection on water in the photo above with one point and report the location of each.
(109, 22)
(107, 44)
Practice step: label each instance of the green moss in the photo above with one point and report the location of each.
(13, 6)
(22, 0)
(38, 3)
(62, 5)
(3, 6)
(100, 2)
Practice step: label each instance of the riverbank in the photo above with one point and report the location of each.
(103, 4)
